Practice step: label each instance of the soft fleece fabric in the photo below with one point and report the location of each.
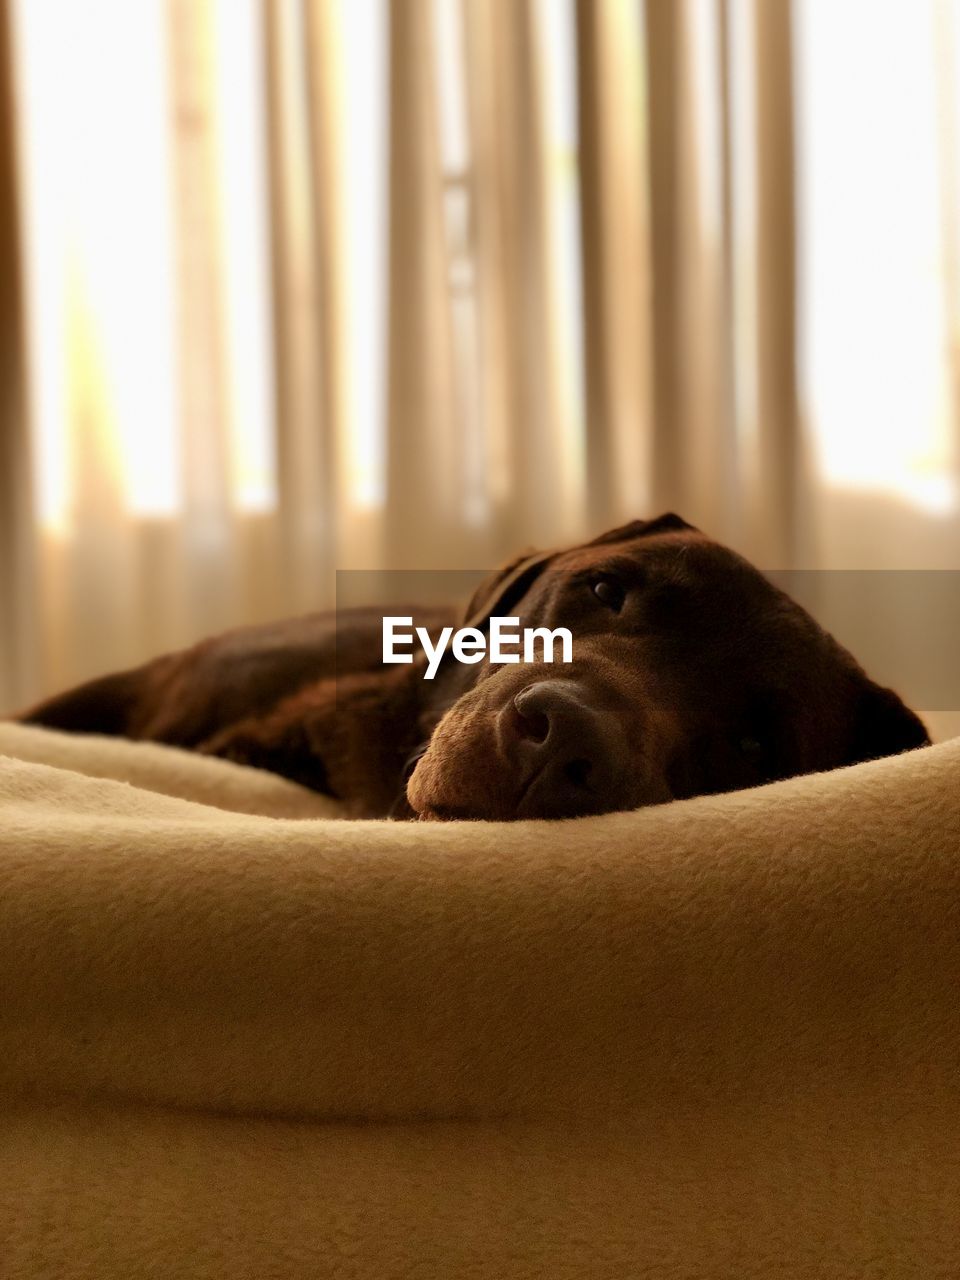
(719, 1038)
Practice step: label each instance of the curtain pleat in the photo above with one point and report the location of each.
(781, 465)
(615, 251)
(17, 616)
(321, 53)
(727, 483)
(535, 412)
(422, 440)
(304, 462)
(700, 274)
(527, 387)
(707, 460)
(664, 81)
(206, 560)
(493, 231)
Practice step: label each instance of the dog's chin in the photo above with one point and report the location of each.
(439, 800)
(476, 784)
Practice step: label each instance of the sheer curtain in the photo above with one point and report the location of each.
(316, 284)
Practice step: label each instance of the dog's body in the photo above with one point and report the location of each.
(691, 674)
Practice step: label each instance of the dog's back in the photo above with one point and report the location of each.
(187, 697)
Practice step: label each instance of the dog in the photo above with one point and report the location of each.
(691, 674)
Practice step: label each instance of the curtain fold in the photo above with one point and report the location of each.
(206, 553)
(780, 469)
(616, 250)
(321, 55)
(304, 454)
(664, 169)
(539, 428)
(17, 614)
(422, 441)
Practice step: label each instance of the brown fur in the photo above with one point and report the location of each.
(706, 679)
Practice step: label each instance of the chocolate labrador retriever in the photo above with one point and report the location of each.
(691, 674)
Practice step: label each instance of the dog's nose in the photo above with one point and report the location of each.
(563, 748)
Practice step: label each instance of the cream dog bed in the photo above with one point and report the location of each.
(719, 1038)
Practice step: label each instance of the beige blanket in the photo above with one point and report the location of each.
(719, 1038)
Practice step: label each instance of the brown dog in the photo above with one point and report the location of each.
(691, 674)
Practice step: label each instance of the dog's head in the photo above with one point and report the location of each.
(691, 674)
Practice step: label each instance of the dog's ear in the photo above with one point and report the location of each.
(669, 522)
(502, 589)
(884, 726)
(496, 594)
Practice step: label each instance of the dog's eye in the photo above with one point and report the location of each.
(610, 593)
(752, 748)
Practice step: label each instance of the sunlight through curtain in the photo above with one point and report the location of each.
(308, 284)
